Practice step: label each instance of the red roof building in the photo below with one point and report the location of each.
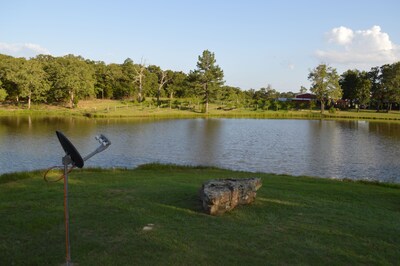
(305, 97)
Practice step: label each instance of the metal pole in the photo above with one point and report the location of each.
(66, 161)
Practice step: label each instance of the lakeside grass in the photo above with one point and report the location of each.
(122, 109)
(294, 220)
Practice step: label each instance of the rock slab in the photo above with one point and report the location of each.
(221, 195)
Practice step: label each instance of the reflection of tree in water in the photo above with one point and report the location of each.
(43, 125)
(323, 147)
(204, 136)
(336, 148)
(348, 149)
(385, 129)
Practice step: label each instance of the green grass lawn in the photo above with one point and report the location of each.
(294, 220)
(126, 109)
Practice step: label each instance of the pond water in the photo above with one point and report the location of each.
(333, 149)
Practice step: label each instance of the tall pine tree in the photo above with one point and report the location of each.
(208, 77)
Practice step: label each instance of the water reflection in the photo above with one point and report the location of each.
(352, 149)
(390, 130)
(202, 139)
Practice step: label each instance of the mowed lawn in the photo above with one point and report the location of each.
(294, 220)
(185, 108)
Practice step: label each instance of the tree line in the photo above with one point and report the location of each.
(378, 88)
(68, 79)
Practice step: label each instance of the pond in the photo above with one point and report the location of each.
(334, 149)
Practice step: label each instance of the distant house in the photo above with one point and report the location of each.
(303, 100)
(284, 99)
(299, 98)
(305, 97)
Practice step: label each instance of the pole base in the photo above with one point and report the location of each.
(69, 264)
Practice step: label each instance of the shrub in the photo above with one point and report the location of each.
(3, 95)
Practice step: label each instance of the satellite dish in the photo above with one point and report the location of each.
(70, 150)
(73, 157)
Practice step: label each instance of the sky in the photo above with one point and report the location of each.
(256, 42)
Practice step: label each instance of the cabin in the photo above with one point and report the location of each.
(306, 97)
(301, 101)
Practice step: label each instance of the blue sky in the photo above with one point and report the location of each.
(256, 43)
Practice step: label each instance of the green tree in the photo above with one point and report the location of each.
(287, 95)
(3, 93)
(150, 84)
(385, 85)
(33, 81)
(115, 82)
(129, 78)
(267, 93)
(391, 83)
(363, 89)
(177, 86)
(164, 76)
(100, 75)
(356, 87)
(8, 66)
(378, 92)
(29, 78)
(325, 84)
(72, 79)
(277, 105)
(208, 77)
(303, 89)
(348, 82)
(265, 97)
(230, 96)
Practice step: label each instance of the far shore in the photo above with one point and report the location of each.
(126, 109)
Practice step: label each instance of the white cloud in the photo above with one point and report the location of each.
(361, 48)
(22, 49)
(341, 35)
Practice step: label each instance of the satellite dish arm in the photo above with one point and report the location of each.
(104, 141)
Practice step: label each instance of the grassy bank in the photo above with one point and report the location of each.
(121, 109)
(295, 220)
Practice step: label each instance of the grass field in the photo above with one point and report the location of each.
(126, 109)
(294, 220)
